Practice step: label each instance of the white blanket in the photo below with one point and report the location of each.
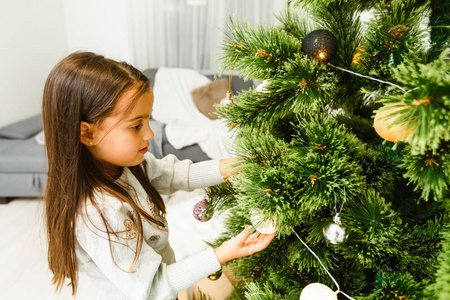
(187, 235)
(185, 124)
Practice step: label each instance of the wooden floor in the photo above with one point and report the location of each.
(24, 272)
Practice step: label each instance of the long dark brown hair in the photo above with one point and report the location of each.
(86, 87)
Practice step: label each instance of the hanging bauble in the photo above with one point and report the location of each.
(316, 291)
(227, 99)
(215, 276)
(262, 87)
(320, 45)
(384, 123)
(200, 211)
(335, 232)
(261, 225)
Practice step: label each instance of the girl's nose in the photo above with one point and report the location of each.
(149, 134)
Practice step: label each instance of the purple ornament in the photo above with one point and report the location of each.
(226, 101)
(200, 211)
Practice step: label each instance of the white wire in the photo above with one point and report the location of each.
(315, 255)
(375, 79)
(342, 205)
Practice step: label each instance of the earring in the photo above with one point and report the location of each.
(91, 143)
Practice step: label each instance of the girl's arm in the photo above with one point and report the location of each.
(150, 277)
(170, 174)
(110, 265)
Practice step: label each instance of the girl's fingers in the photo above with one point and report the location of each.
(256, 243)
(243, 236)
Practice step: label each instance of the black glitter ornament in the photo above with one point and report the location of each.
(320, 45)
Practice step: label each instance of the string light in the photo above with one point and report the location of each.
(375, 79)
(329, 274)
(315, 255)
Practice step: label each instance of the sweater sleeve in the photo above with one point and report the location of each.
(169, 174)
(149, 278)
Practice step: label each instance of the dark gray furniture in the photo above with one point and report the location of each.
(23, 164)
(22, 160)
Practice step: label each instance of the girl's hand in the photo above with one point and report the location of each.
(229, 166)
(244, 244)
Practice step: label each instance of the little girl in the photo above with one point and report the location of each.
(105, 216)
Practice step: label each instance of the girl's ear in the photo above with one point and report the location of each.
(87, 133)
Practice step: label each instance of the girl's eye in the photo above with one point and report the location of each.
(137, 127)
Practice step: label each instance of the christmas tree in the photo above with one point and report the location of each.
(361, 207)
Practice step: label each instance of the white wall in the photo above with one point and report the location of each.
(100, 26)
(36, 34)
(32, 41)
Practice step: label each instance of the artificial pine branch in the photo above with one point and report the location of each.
(293, 24)
(440, 30)
(301, 83)
(429, 173)
(441, 289)
(428, 113)
(341, 18)
(393, 36)
(308, 145)
(270, 46)
(255, 292)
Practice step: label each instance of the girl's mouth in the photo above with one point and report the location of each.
(143, 150)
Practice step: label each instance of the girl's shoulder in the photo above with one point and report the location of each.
(102, 205)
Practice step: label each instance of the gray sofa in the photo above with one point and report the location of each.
(23, 164)
(22, 160)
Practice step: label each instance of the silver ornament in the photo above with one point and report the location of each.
(335, 232)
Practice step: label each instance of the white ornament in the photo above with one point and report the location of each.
(263, 226)
(262, 87)
(317, 291)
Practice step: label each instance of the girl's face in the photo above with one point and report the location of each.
(122, 141)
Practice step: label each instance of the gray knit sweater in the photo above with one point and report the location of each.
(156, 275)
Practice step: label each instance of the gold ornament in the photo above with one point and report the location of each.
(430, 161)
(313, 179)
(262, 53)
(303, 84)
(229, 95)
(397, 31)
(215, 276)
(425, 101)
(357, 56)
(384, 123)
(320, 146)
(236, 46)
